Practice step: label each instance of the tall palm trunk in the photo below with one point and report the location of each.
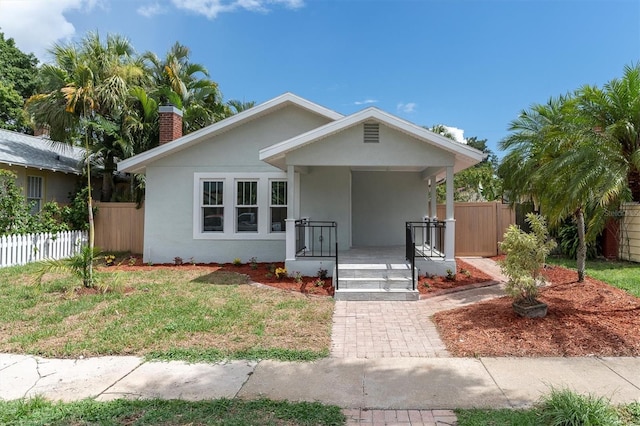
(107, 178)
(582, 245)
(633, 179)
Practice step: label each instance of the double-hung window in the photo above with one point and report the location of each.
(278, 205)
(247, 206)
(212, 206)
(34, 193)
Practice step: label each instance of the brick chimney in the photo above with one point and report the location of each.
(170, 120)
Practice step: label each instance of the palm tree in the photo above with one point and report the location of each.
(175, 80)
(560, 163)
(86, 93)
(614, 115)
(238, 106)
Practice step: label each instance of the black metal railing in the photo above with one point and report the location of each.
(424, 240)
(318, 239)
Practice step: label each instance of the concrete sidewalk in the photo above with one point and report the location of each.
(388, 383)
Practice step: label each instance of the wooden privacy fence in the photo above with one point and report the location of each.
(479, 226)
(22, 249)
(119, 227)
(630, 232)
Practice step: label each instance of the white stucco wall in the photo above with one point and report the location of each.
(325, 194)
(169, 204)
(347, 148)
(382, 203)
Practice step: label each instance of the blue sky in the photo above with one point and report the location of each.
(470, 64)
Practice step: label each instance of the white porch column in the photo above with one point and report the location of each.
(434, 199)
(290, 251)
(450, 230)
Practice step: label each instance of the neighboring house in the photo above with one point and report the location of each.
(46, 170)
(239, 188)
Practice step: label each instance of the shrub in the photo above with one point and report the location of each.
(237, 261)
(281, 273)
(525, 257)
(568, 241)
(567, 408)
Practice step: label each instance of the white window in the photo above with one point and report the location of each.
(212, 206)
(278, 205)
(239, 206)
(247, 206)
(34, 193)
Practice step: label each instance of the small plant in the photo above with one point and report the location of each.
(426, 284)
(322, 273)
(192, 260)
(465, 272)
(525, 257)
(319, 283)
(177, 260)
(297, 277)
(281, 273)
(451, 276)
(132, 260)
(268, 275)
(237, 261)
(272, 268)
(567, 408)
(254, 263)
(109, 260)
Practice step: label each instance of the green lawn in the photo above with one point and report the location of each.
(193, 315)
(624, 275)
(38, 412)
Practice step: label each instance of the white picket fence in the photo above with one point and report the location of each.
(22, 249)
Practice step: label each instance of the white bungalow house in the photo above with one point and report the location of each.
(292, 181)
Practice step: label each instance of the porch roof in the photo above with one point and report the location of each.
(465, 156)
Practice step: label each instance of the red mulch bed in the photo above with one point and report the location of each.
(465, 277)
(584, 319)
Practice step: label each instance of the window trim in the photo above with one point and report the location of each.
(31, 198)
(238, 206)
(203, 205)
(271, 205)
(229, 204)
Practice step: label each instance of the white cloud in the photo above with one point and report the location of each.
(151, 10)
(36, 24)
(212, 8)
(366, 101)
(458, 134)
(409, 107)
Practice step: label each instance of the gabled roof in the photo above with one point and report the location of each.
(466, 156)
(138, 163)
(18, 149)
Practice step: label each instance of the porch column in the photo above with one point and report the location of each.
(433, 193)
(290, 250)
(450, 230)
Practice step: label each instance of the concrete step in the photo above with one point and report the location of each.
(376, 295)
(364, 283)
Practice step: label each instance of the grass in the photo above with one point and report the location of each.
(186, 314)
(152, 412)
(561, 407)
(623, 275)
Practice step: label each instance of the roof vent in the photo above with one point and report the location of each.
(371, 133)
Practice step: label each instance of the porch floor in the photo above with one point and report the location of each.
(373, 255)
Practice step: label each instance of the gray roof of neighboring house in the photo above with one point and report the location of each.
(30, 151)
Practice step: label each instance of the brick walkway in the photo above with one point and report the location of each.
(400, 417)
(401, 329)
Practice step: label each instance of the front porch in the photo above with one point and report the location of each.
(370, 273)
